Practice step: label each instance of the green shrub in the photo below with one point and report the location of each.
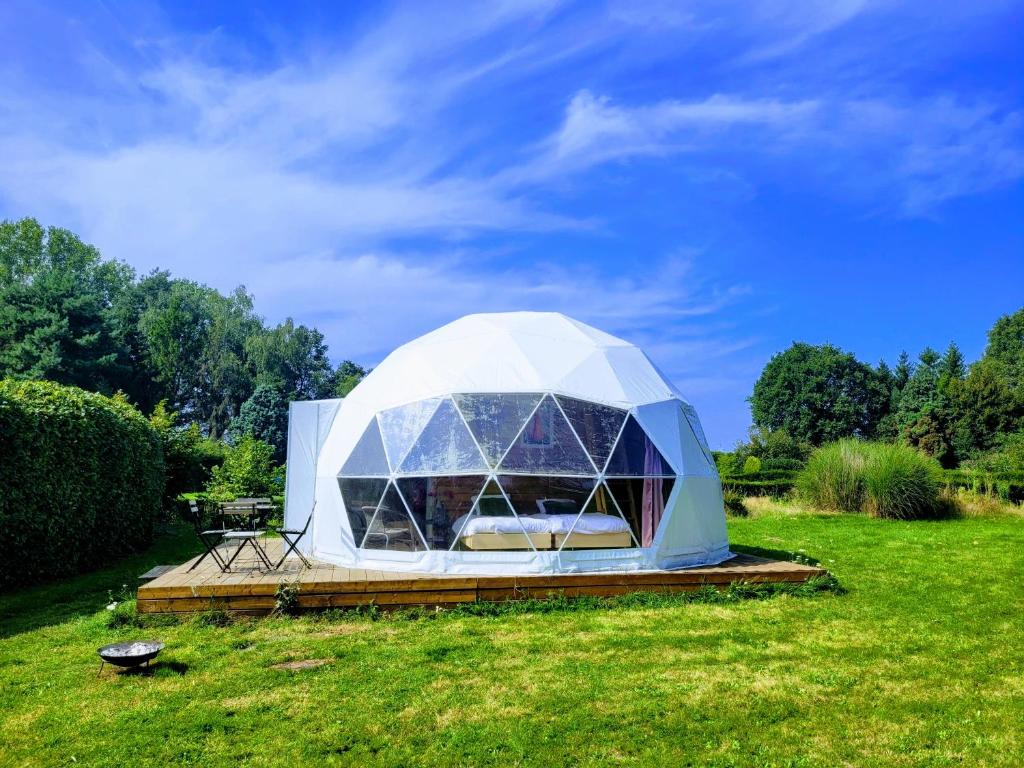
(752, 465)
(726, 462)
(734, 504)
(881, 479)
(248, 470)
(189, 458)
(81, 479)
(833, 477)
(900, 482)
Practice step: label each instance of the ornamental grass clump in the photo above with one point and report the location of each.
(879, 479)
(834, 476)
(900, 483)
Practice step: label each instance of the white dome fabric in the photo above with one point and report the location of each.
(439, 460)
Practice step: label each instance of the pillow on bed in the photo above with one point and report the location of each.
(558, 507)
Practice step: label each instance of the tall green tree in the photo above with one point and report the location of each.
(264, 416)
(292, 358)
(1005, 349)
(818, 394)
(197, 341)
(347, 376)
(56, 309)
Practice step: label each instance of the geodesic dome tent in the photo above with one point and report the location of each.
(507, 443)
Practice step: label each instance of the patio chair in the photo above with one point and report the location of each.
(211, 538)
(291, 539)
(391, 526)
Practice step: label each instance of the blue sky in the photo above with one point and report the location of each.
(710, 180)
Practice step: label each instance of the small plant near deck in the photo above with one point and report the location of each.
(286, 599)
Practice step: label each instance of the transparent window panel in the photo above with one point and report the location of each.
(601, 526)
(361, 496)
(561, 495)
(547, 445)
(401, 426)
(492, 525)
(444, 447)
(636, 499)
(368, 457)
(391, 527)
(438, 503)
(596, 425)
(496, 419)
(635, 454)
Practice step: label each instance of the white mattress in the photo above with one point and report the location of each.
(588, 523)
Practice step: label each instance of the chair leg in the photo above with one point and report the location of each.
(292, 548)
(211, 551)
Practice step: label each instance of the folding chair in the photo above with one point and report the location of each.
(210, 539)
(292, 538)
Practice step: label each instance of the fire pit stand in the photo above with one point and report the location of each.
(129, 655)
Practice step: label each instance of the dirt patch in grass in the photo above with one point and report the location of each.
(300, 664)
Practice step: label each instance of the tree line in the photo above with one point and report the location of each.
(960, 414)
(70, 316)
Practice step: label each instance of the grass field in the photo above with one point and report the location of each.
(919, 662)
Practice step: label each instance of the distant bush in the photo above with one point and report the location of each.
(81, 478)
(189, 458)
(248, 470)
(727, 463)
(883, 480)
(752, 465)
(781, 465)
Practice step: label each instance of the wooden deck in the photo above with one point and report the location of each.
(247, 590)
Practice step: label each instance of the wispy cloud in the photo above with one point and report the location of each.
(381, 177)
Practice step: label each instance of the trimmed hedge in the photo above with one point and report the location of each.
(81, 478)
(772, 482)
(739, 484)
(1008, 486)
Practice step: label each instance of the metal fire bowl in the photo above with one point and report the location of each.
(130, 654)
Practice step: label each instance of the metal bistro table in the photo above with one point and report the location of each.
(245, 516)
(253, 511)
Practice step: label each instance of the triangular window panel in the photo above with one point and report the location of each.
(401, 427)
(368, 457)
(496, 419)
(546, 445)
(444, 447)
(600, 526)
(635, 454)
(391, 527)
(438, 503)
(597, 425)
(361, 496)
(493, 525)
(637, 499)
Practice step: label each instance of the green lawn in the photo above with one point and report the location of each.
(920, 662)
